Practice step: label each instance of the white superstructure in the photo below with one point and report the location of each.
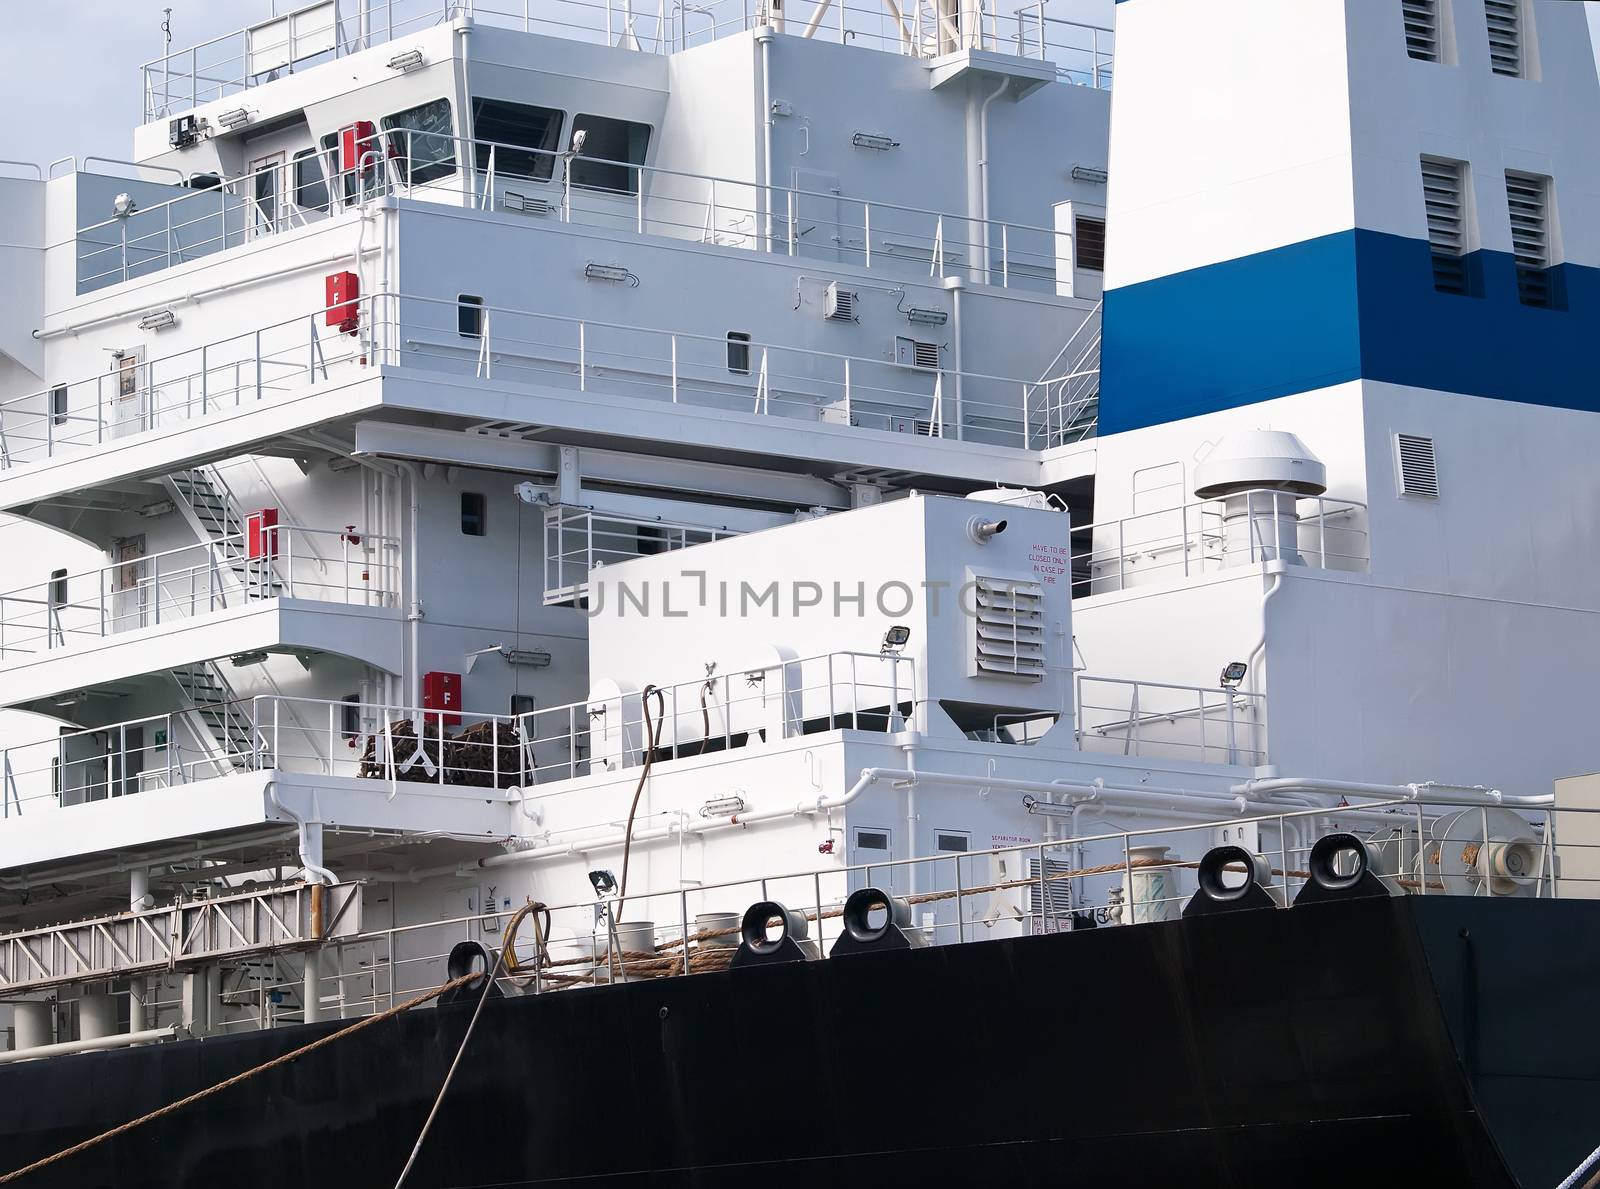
(690, 424)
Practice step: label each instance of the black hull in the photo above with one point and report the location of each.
(1420, 1041)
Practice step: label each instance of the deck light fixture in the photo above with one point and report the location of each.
(158, 320)
(874, 140)
(895, 639)
(1089, 173)
(236, 118)
(1233, 674)
(604, 882)
(409, 60)
(123, 206)
(920, 316)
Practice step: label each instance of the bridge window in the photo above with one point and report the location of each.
(525, 140)
(421, 142)
(310, 187)
(611, 150)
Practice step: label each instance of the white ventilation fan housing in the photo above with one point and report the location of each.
(842, 304)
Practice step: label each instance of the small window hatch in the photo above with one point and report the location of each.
(739, 352)
(951, 842)
(1419, 470)
(473, 519)
(469, 316)
(872, 840)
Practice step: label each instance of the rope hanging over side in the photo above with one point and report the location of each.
(284, 1059)
(652, 740)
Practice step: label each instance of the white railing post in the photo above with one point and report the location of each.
(866, 221)
(674, 369)
(582, 358)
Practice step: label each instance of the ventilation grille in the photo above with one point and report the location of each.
(523, 204)
(1443, 183)
(1505, 36)
(1055, 892)
(1419, 470)
(841, 304)
(1010, 628)
(916, 353)
(1422, 29)
(1089, 244)
(1528, 197)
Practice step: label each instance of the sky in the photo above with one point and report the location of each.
(80, 60)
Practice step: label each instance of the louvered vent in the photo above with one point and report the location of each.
(841, 304)
(1090, 246)
(1505, 36)
(1422, 29)
(1053, 890)
(524, 204)
(1528, 197)
(1419, 470)
(916, 353)
(1443, 186)
(1010, 628)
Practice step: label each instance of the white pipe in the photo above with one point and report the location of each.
(764, 37)
(413, 688)
(311, 862)
(983, 166)
(1425, 791)
(83, 1046)
(1276, 569)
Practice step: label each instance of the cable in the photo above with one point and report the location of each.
(159, 1112)
(652, 740)
(488, 986)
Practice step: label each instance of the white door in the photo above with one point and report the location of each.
(130, 400)
(266, 194)
(873, 846)
(129, 590)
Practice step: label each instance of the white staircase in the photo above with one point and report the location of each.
(214, 709)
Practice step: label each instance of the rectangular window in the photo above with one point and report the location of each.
(349, 186)
(1422, 29)
(58, 588)
(951, 842)
(310, 187)
(1528, 197)
(526, 140)
(1505, 36)
(1444, 198)
(738, 352)
(523, 704)
(350, 716)
(58, 405)
(1089, 244)
(872, 840)
(611, 150)
(473, 522)
(469, 316)
(421, 142)
(264, 173)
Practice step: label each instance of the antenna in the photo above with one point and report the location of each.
(166, 27)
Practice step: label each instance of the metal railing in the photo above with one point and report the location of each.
(579, 539)
(702, 208)
(1209, 536)
(327, 31)
(196, 580)
(1110, 879)
(600, 358)
(1211, 725)
(719, 712)
(118, 760)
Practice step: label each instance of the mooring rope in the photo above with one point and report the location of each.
(284, 1059)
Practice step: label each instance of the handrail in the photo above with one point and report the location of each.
(155, 237)
(190, 581)
(221, 66)
(38, 173)
(254, 364)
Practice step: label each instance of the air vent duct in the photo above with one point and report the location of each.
(1009, 624)
(842, 304)
(1419, 469)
